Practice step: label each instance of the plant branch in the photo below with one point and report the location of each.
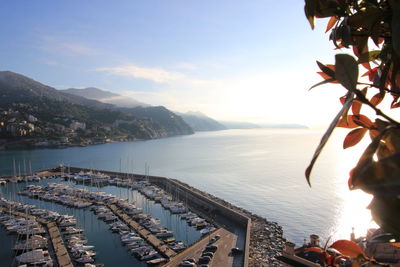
(378, 112)
(385, 88)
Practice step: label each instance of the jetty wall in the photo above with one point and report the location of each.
(207, 207)
(194, 199)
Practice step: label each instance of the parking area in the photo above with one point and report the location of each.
(222, 256)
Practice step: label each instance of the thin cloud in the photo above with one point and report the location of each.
(62, 45)
(157, 75)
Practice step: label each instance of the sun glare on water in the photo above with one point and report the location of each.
(352, 212)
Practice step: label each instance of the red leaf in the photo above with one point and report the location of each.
(327, 69)
(373, 133)
(395, 103)
(347, 122)
(366, 65)
(348, 248)
(377, 99)
(356, 107)
(331, 23)
(342, 99)
(332, 67)
(371, 74)
(324, 76)
(363, 121)
(354, 137)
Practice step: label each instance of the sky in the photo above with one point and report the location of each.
(232, 60)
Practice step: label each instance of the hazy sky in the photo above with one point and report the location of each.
(233, 60)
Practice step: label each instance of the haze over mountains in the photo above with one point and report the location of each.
(105, 97)
(200, 122)
(196, 120)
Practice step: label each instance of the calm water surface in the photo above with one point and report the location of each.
(260, 170)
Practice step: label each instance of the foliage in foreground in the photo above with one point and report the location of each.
(358, 25)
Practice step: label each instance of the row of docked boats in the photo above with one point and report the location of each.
(32, 238)
(150, 191)
(24, 178)
(159, 196)
(137, 245)
(60, 192)
(132, 240)
(31, 246)
(76, 243)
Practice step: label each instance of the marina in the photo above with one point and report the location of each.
(157, 220)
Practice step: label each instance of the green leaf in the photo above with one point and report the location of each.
(370, 56)
(310, 9)
(325, 137)
(395, 4)
(346, 71)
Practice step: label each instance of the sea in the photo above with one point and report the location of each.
(261, 170)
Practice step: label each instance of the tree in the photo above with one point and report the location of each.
(358, 25)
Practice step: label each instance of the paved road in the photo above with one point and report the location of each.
(222, 257)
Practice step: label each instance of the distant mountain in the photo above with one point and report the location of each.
(200, 122)
(239, 125)
(170, 122)
(284, 126)
(54, 112)
(105, 97)
(16, 85)
(249, 125)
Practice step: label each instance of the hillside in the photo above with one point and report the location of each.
(200, 122)
(170, 122)
(36, 113)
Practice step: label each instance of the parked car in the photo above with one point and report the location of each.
(211, 248)
(208, 253)
(204, 260)
(187, 264)
(236, 250)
